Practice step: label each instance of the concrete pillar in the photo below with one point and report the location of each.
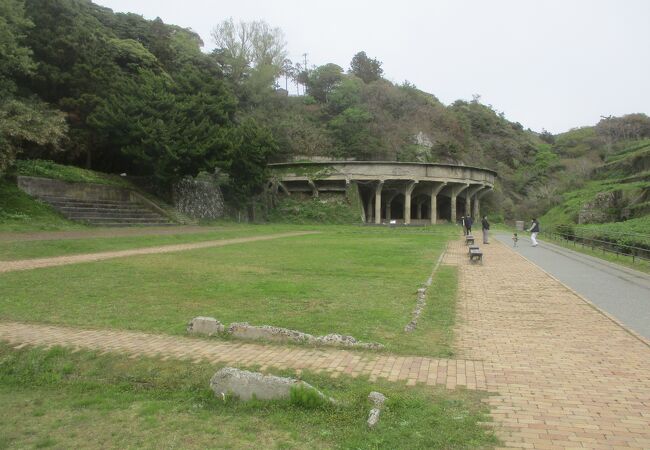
(452, 216)
(378, 202)
(389, 203)
(477, 200)
(314, 189)
(471, 192)
(369, 209)
(454, 194)
(419, 211)
(435, 189)
(407, 202)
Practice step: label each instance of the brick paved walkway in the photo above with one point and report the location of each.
(567, 376)
(28, 264)
(412, 370)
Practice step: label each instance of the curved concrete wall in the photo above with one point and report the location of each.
(389, 188)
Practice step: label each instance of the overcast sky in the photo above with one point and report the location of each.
(553, 64)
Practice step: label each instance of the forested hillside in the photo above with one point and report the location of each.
(117, 93)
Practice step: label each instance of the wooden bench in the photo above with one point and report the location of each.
(469, 240)
(472, 247)
(476, 255)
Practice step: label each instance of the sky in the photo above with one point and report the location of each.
(547, 64)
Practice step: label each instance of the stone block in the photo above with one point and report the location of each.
(377, 398)
(245, 331)
(207, 326)
(245, 385)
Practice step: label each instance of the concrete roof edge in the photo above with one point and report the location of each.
(325, 163)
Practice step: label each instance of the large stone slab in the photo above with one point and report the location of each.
(244, 330)
(207, 326)
(245, 385)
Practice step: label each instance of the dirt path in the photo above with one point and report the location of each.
(27, 264)
(408, 369)
(104, 233)
(567, 376)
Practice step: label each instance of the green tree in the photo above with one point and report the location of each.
(24, 121)
(251, 146)
(351, 131)
(244, 46)
(322, 81)
(366, 68)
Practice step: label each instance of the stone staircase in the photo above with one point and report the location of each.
(106, 213)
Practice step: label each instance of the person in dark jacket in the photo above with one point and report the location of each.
(534, 229)
(486, 227)
(468, 224)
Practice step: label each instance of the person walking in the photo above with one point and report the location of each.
(486, 227)
(464, 225)
(468, 224)
(534, 229)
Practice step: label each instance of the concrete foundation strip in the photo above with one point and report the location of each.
(422, 295)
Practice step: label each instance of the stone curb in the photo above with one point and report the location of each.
(422, 295)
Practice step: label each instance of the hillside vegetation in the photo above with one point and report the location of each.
(612, 199)
(117, 93)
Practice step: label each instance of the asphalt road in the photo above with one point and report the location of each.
(624, 293)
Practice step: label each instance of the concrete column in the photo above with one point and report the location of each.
(452, 216)
(389, 202)
(471, 192)
(419, 211)
(314, 189)
(454, 193)
(407, 202)
(477, 200)
(435, 189)
(369, 209)
(378, 202)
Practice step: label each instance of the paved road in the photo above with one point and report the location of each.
(624, 293)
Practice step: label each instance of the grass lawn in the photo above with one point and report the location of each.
(20, 212)
(350, 280)
(25, 249)
(55, 398)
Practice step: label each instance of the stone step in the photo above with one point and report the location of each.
(83, 209)
(133, 214)
(139, 224)
(51, 199)
(89, 204)
(107, 219)
(107, 213)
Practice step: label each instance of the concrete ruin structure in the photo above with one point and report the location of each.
(406, 192)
